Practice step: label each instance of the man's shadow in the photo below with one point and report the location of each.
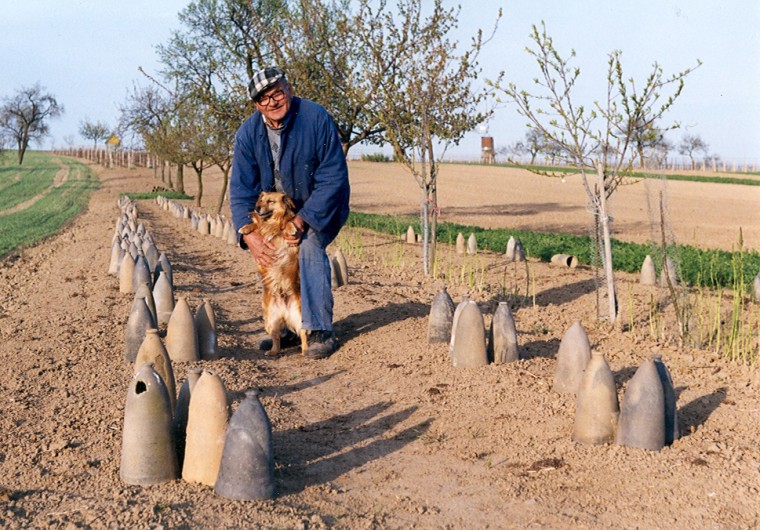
(697, 411)
(322, 451)
(360, 323)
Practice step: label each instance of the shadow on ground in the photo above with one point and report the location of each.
(378, 317)
(320, 452)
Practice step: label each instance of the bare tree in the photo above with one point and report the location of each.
(600, 140)
(95, 131)
(207, 72)
(161, 118)
(432, 100)
(24, 116)
(690, 145)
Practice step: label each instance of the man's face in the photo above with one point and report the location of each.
(274, 103)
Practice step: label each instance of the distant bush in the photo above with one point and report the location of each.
(158, 190)
(375, 157)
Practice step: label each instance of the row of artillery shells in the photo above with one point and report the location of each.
(234, 455)
(648, 416)
(463, 328)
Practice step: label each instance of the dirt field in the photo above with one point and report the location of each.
(385, 433)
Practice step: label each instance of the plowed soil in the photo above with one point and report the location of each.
(385, 433)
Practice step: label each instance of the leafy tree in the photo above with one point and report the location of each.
(431, 100)
(321, 44)
(601, 140)
(690, 145)
(94, 131)
(24, 116)
(337, 57)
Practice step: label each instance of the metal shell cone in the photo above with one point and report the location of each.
(502, 344)
(143, 291)
(648, 272)
(113, 265)
(596, 409)
(126, 271)
(572, 357)
(205, 326)
(147, 450)
(163, 298)
(460, 246)
(470, 338)
(152, 350)
(519, 251)
(472, 244)
(163, 265)
(151, 256)
(181, 337)
(206, 429)
(334, 274)
(203, 226)
(672, 431)
(642, 414)
(441, 317)
(141, 273)
(510, 253)
(247, 469)
(340, 260)
(457, 312)
(232, 237)
(182, 409)
(140, 320)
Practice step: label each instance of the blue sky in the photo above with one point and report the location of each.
(87, 52)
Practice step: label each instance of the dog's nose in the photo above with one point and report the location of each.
(264, 212)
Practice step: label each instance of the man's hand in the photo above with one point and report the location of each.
(294, 239)
(262, 251)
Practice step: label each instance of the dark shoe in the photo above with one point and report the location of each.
(288, 340)
(321, 344)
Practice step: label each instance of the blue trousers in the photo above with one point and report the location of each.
(316, 289)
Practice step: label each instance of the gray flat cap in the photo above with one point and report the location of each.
(264, 79)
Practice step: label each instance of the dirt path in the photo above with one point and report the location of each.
(385, 433)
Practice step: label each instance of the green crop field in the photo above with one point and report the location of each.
(33, 205)
(705, 267)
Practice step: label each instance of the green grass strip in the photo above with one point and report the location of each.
(53, 210)
(712, 268)
(714, 179)
(153, 194)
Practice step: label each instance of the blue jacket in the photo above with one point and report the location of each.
(313, 167)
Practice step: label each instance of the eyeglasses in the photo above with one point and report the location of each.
(274, 97)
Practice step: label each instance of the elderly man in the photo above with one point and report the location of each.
(291, 145)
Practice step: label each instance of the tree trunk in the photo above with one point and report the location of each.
(22, 145)
(199, 174)
(226, 177)
(180, 188)
(434, 225)
(425, 224)
(604, 219)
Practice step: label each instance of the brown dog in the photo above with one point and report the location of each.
(282, 283)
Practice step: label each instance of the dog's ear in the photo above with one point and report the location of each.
(288, 227)
(290, 206)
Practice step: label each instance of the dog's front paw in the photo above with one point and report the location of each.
(247, 229)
